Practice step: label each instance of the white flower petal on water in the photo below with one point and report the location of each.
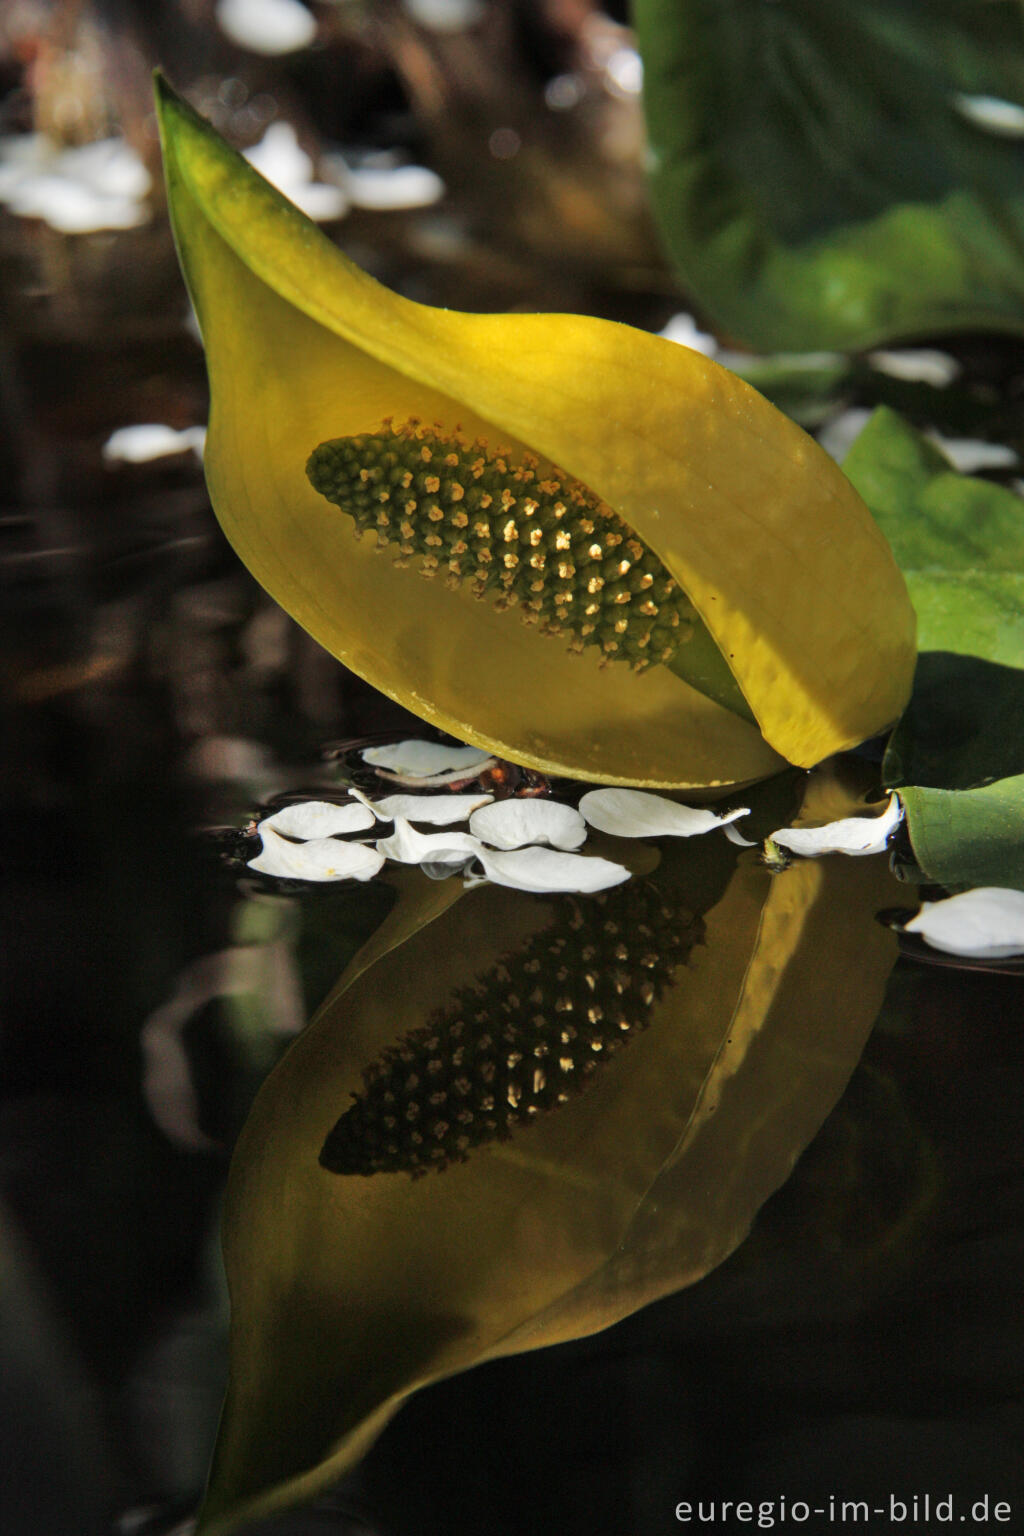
(685, 332)
(268, 27)
(425, 759)
(444, 16)
(637, 813)
(545, 869)
(281, 159)
(855, 835)
(323, 858)
(407, 846)
(152, 440)
(987, 923)
(434, 810)
(517, 823)
(1005, 118)
(76, 191)
(968, 454)
(383, 188)
(917, 365)
(319, 818)
(838, 436)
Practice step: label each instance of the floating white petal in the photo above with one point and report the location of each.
(319, 818)
(323, 858)
(1005, 118)
(838, 436)
(152, 440)
(735, 836)
(434, 810)
(917, 365)
(544, 869)
(281, 159)
(968, 454)
(517, 823)
(269, 27)
(685, 332)
(444, 15)
(635, 813)
(384, 188)
(987, 923)
(424, 759)
(407, 846)
(76, 191)
(856, 835)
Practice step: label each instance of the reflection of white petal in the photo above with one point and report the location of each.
(151, 440)
(636, 813)
(917, 365)
(544, 869)
(318, 818)
(986, 923)
(515, 823)
(735, 836)
(268, 27)
(325, 858)
(855, 835)
(423, 759)
(435, 810)
(407, 846)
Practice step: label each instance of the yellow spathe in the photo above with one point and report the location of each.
(773, 546)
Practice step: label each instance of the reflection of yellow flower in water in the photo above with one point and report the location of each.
(700, 528)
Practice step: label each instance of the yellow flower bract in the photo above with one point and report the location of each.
(775, 550)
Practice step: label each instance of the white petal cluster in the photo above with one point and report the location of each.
(855, 835)
(987, 923)
(281, 159)
(76, 191)
(529, 843)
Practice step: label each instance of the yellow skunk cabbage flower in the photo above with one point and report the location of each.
(686, 560)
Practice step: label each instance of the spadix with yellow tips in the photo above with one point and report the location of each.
(645, 507)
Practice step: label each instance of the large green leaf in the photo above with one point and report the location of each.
(818, 176)
(957, 756)
(351, 1289)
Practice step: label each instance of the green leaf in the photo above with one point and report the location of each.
(959, 541)
(820, 179)
(350, 1290)
(957, 756)
(969, 837)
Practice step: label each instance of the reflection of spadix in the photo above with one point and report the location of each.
(526, 1037)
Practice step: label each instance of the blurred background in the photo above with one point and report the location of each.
(868, 1338)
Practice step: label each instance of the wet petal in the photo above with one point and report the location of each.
(546, 869)
(407, 846)
(985, 923)
(855, 835)
(517, 823)
(324, 858)
(424, 759)
(319, 818)
(635, 813)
